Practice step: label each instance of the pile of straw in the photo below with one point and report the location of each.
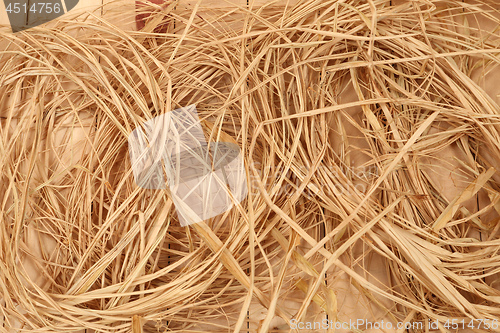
(370, 134)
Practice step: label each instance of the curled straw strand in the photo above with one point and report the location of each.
(366, 138)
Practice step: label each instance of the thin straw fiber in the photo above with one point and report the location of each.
(369, 136)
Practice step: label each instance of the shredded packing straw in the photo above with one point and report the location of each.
(367, 134)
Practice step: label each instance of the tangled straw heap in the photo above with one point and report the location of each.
(370, 133)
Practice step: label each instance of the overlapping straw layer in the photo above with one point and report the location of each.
(370, 134)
